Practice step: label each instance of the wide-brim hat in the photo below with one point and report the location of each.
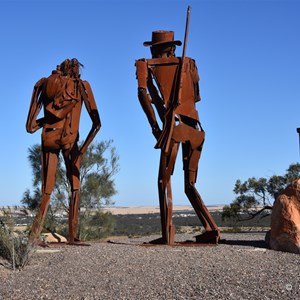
(162, 37)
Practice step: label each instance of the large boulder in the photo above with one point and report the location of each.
(285, 221)
(53, 238)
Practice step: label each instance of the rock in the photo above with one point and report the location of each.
(285, 220)
(50, 238)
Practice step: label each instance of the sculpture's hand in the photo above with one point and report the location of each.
(40, 122)
(156, 131)
(35, 126)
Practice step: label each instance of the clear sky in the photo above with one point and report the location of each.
(248, 57)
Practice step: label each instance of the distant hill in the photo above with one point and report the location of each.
(137, 210)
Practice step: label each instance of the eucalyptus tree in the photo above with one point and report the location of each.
(99, 165)
(255, 196)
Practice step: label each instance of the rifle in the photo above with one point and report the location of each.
(165, 137)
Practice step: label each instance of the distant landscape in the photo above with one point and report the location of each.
(127, 210)
(145, 220)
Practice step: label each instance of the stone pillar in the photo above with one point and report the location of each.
(285, 220)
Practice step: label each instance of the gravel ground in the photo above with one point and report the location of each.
(239, 268)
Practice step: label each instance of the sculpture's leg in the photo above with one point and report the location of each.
(37, 225)
(162, 199)
(190, 162)
(166, 168)
(73, 175)
(73, 216)
(169, 171)
(49, 165)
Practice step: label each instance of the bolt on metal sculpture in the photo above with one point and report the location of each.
(171, 84)
(61, 95)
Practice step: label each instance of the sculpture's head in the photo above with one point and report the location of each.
(162, 43)
(70, 67)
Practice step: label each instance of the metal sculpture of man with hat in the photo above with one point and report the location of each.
(61, 95)
(171, 85)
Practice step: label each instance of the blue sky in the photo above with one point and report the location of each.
(248, 57)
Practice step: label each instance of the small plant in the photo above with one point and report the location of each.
(14, 247)
(232, 230)
(134, 236)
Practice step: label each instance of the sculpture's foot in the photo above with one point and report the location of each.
(34, 241)
(159, 241)
(166, 241)
(77, 242)
(208, 237)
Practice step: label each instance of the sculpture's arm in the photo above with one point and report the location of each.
(90, 104)
(144, 97)
(156, 99)
(32, 123)
(196, 79)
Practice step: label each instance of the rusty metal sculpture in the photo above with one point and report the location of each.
(171, 84)
(61, 95)
(298, 130)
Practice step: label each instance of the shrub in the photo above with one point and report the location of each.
(96, 226)
(14, 247)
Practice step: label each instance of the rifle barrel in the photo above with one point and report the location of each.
(186, 31)
(298, 130)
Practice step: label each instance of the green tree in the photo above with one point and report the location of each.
(255, 196)
(99, 165)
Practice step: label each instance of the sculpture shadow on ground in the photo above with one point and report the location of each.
(246, 243)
